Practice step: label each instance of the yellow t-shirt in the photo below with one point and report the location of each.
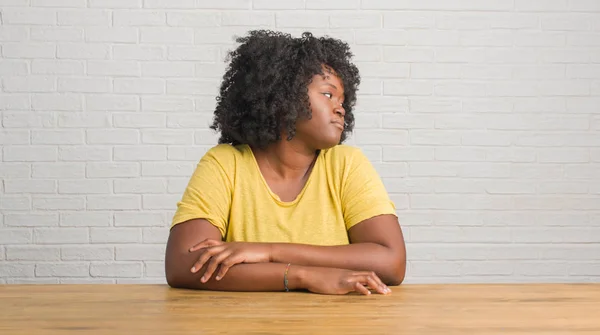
(228, 189)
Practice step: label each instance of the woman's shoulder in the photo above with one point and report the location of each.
(226, 155)
(344, 153)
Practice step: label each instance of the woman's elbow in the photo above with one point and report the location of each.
(397, 271)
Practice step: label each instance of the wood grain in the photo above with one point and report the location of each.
(410, 309)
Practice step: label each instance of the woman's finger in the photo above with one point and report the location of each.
(206, 243)
(204, 257)
(376, 284)
(360, 288)
(213, 263)
(225, 265)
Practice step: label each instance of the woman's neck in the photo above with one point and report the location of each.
(288, 160)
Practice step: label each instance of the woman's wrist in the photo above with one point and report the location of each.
(297, 277)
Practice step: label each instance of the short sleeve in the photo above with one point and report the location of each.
(208, 193)
(363, 194)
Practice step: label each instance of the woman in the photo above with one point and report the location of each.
(280, 203)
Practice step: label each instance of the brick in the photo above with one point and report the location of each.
(140, 253)
(112, 170)
(138, 52)
(381, 37)
(139, 18)
(487, 268)
(13, 34)
(561, 155)
(113, 202)
(167, 136)
(191, 86)
(140, 219)
(167, 69)
(15, 236)
(202, 19)
(459, 186)
(83, 17)
(168, 4)
(178, 185)
(412, 185)
(420, 169)
(269, 4)
(536, 171)
(408, 87)
(111, 4)
(195, 53)
(584, 5)
(84, 85)
(142, 281)
(115, 235)
(15, 203)
(224, 4)
(465, 202)
(382, 70)
(434, 269)
(35, 281)
(167, 169)
(489, 138)
(167, 35)
(29, 84)
(86, 281)
(140, 186)
(355, 20)
(139, 86)
(82, 51)
(460, 154)
(30, 154)
(62, 270)
(167, 104)
(30, 16)
(59, 34)
(58, 170)
(583, 39)
(302, 20)
(391, 170)
(111, 34)
(87, 253)
(31, 220)
(29, 186)
(154, 269)
(83, 120)
(24, 50)
(56, 67)
(84, 153)
(437, 137)
(116, 269)
(382, 136)
(60, 235)
(407, 121)
(112, 136)
(103, 102)
(58, 203)
(187, 153)
(140, 153)
(541, 5)
(139, 120)
(32, 253)
(189, 120)
(57, 102)
(13, 68)
(83, 186)
(16, 270)
(85, 219)
(58, 3)
(249, 19)
(29, 120)
(157, 202)
(49, 137)
(507, 187)
(14, 170)
(584, 269)
(563, 188)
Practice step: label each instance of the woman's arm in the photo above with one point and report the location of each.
(257, 276)
(377, 244)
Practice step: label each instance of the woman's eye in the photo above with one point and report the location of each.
(329, 95)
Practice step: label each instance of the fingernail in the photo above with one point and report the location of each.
(218, 278)
(193, 269)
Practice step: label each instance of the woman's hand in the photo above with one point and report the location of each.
(339, 281)
(224, 255)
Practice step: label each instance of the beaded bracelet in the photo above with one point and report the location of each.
(285, 279)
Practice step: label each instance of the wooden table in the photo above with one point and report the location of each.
(410, 309)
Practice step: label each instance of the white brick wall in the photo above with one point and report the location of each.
(481, 117)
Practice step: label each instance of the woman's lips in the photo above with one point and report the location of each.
(339, 125)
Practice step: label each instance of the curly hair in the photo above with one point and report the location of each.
(265, 87)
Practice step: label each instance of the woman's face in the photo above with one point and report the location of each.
(326, 95)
